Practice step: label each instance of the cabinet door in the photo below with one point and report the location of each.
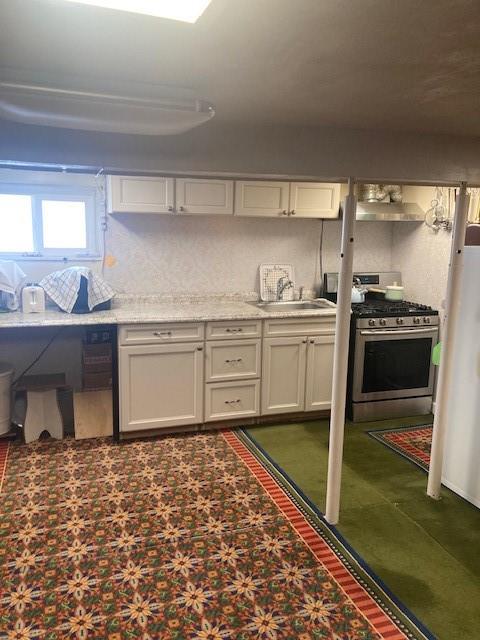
(204, 196)
(140, 194)
(160, 386)
(318, 392)
(314, 199)
(283, 375)
(260, 198)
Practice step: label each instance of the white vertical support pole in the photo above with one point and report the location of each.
(451, 315)
(340, 359)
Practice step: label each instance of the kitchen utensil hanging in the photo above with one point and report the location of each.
(438, 216)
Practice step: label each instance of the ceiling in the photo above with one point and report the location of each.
(407, 65)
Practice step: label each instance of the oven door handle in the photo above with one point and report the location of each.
(397, 332)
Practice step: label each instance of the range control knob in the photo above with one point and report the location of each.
(399, 320)
(426, 320)
(371, 322)
(416, 321)
(383, 322)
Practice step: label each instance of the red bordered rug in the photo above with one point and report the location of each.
(413, 442)
(194, 536)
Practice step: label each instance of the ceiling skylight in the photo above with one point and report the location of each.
(183, 10)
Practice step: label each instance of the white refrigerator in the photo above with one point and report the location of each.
(461, 470)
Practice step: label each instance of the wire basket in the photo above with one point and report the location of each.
(270, 275)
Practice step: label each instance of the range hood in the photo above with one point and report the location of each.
(385, 202)
(390, 211)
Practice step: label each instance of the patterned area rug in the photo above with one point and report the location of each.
(195, 536)
(413, 443)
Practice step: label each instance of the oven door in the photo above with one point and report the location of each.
(393, 363)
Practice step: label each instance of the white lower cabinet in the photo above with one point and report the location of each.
(318, 387)
(170, 377)
(283, 375)
(161, 385)
(297, 374)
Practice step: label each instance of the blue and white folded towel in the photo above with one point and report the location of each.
(63, 287)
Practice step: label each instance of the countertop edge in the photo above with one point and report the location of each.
(123, 316)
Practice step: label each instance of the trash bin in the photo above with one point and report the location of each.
(6, 375)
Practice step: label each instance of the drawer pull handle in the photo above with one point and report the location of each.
(232, 401)
(161, 334)
(233, 330)
(233, 360)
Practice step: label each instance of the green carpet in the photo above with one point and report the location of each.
(426, 551)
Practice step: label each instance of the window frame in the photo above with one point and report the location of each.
(73, 193)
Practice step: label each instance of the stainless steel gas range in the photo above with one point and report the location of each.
(390, 358)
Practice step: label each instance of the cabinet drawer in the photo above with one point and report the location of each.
(232, 400)
(226, 330)
(232, 360)
(309, 327)
(160, 333)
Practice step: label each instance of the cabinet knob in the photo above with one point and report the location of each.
(312, 341)
(304, 341)
(170, 208)
(284, 212)
(199, 348)
(293, 212)
(181, 209)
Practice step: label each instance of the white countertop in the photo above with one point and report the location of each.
(200, 310)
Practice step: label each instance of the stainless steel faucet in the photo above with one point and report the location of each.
(282, 285)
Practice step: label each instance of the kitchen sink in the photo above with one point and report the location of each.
(294, 305)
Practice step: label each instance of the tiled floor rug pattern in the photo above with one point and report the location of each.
(414, 443)
(173, 538)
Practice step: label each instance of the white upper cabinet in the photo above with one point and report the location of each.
(259, 198)
(204, 196)
(140, 194)
(197, 196)
(286, 199)
(314, 199)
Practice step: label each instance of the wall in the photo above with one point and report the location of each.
(166, 254)
(421, 254)
(222, 254)
(368, 155)
(211, 254)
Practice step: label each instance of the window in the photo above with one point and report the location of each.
(47, 222)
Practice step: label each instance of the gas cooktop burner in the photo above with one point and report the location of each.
(377, 308)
